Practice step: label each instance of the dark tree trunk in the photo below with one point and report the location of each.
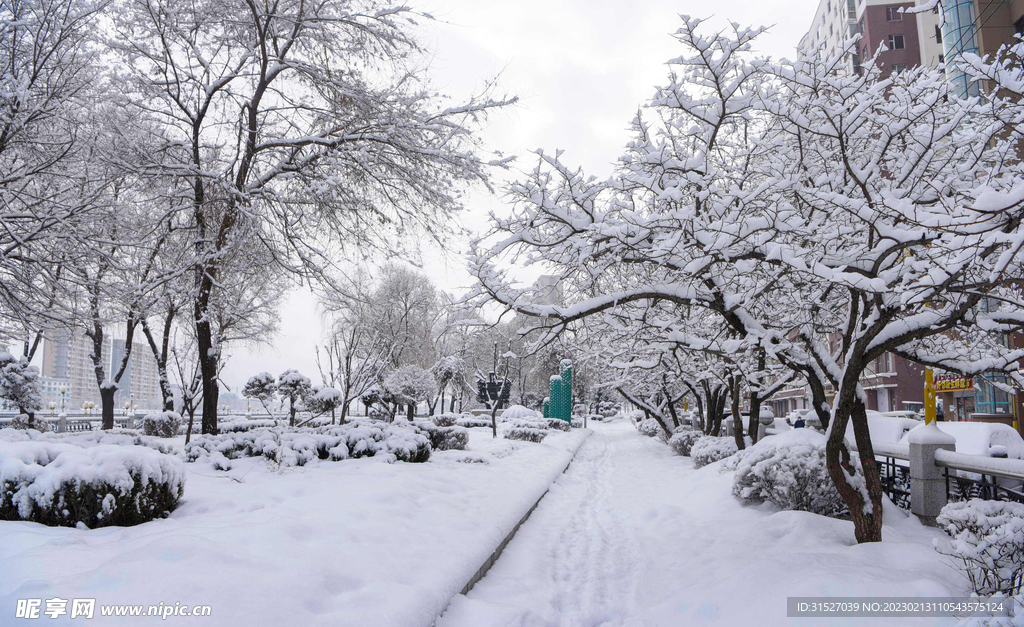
(737, 418)
(672, 409)
(107, 406)
(191, 421)
(755, 416)
(410, 411)
(344, 412)
(208, 359)
(291, 412)
(866, 516)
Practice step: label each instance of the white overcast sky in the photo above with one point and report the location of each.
(580, 68)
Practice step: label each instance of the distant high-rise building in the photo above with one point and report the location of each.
(67, 358)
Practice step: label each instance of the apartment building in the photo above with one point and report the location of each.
(910, 39)
(932, 37)
(67, 358)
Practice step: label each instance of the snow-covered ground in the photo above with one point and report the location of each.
(357, 542)
(632, 535)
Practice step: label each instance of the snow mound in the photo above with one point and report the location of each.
(517, 412)
(979, 438)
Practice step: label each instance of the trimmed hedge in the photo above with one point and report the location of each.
(162, 425)
(526, 434)
(681, 443)
(62, 484)
(297, 447)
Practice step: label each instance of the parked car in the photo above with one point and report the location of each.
(913, 415)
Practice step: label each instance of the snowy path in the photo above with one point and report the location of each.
(633, 535)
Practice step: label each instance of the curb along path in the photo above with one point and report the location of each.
(480, 572)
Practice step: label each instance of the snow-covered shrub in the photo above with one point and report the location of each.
(443, 438)
(61, 484)
(262, 387)
(649, 427)
(987, 540)
(525, 433)
(162, 425)
(561, 425)
(24, 421)
(683, 441)
(790, 471)
(637, 416)
(245, 425)
(598, 417)
(710, 449)
(473, 421)
(445, 420)
(117, 437)
(576, 423)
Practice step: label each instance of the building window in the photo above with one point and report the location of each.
(1018, 26)
(938, 34)
(892, 14)
(898, 67)
(895, 42)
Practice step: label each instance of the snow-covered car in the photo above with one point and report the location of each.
(913, 415)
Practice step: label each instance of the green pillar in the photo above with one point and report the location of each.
(566, 376)
(547, 407)
(556, 397)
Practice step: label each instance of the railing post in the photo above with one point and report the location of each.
(927, 483)
(62, 423)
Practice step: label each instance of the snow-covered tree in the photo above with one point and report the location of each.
(822, 219)
(262, 387)
(410, 385)
(294, 387)
(267, 130)
(19, 384)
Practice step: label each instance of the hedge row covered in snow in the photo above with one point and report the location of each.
(117, 437)
(443, 438)
(297, 447)
(528, 434)
(245, 425)
(62, 484)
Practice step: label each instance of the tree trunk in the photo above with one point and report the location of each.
(191, 420)
(755, 416)
(672, 409)
(344, 411)
(410, 411)
(737, 418)
(208, 355)
(866, 516)
(291, 412)
(107, 405)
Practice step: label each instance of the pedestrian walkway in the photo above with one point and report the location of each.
(580, 558)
